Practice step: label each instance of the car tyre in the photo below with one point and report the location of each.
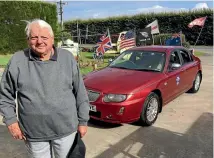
(150, 109)
(196, 84)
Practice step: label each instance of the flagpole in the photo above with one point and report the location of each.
(79, 41)
(108, 32)
(198, 36)
(201, 30)
(160, 39)
(153, 39)
(135, 35)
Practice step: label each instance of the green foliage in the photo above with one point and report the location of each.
(61, 35)
(168, 23)
(12, 26)
(186, 44)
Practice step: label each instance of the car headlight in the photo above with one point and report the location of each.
(114, 98)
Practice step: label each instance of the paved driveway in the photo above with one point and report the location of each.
(183, 129)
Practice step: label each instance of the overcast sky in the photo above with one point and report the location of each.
(101, 9)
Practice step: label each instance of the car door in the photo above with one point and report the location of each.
(173, 83)
(189, 67)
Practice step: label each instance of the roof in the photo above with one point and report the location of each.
(68, 42)
(156, 47)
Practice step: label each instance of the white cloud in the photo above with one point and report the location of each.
(96, 15)
(201, 6)
(157, 9)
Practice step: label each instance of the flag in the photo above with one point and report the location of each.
(127, 40)
(198, 21)
(154, 27)
(144, 35)
(103, 44)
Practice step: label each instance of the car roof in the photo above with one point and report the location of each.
(157, 48)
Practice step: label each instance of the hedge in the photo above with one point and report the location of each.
(12, 35)
(168, 23)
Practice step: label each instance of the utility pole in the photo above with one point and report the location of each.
(61, 15)
(86, 34)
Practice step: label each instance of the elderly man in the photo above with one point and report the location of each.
(51, 96)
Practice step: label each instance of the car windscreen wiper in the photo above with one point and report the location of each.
(119, 67)
(147, 70)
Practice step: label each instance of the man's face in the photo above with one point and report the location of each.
(40, 40)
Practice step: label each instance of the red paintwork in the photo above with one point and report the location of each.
(137, 85)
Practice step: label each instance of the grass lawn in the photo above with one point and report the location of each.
(198, 54)
(4, 60)
(86, 57)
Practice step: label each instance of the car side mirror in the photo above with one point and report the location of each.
(174, 66)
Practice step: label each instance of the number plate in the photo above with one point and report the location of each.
(93, 108)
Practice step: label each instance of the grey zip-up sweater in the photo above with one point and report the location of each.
(51, 96)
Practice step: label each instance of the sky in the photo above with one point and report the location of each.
(102, 9)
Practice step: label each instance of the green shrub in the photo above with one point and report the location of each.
(12, 35)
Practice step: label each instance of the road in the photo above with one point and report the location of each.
(183, 129)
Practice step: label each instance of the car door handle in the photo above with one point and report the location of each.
(183, 69)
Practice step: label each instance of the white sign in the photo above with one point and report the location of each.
(154, 27)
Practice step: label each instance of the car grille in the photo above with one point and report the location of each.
(92, 95)
(95, 114)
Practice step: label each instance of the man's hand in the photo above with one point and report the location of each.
(15, 131)
(82, 130)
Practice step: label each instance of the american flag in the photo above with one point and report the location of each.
(127, 40)
(103, 44)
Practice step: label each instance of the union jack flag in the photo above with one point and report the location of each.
(103, 44)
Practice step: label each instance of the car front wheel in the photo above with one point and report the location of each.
(150, 110)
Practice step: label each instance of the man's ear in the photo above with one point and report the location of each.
(28, 41)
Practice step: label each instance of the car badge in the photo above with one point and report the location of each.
(177, 80)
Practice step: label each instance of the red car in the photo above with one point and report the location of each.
(140, 81)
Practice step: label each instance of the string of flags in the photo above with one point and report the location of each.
(129, 38)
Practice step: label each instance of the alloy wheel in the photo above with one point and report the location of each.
(152, 109)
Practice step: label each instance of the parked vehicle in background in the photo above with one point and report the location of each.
(71, 47)
(140, 81)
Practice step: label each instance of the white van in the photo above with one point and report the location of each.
(72, 47)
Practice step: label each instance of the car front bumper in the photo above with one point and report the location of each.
(124, 112)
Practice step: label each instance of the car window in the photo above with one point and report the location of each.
(126, 57)
(123, 59)
(141, 60)
(185, 57)
(174, 58)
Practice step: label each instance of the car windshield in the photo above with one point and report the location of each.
(140, 60)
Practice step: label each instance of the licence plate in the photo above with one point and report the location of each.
(93, 108)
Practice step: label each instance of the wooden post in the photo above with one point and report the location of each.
(94, 66)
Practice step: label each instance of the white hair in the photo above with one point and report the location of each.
(41, 23)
